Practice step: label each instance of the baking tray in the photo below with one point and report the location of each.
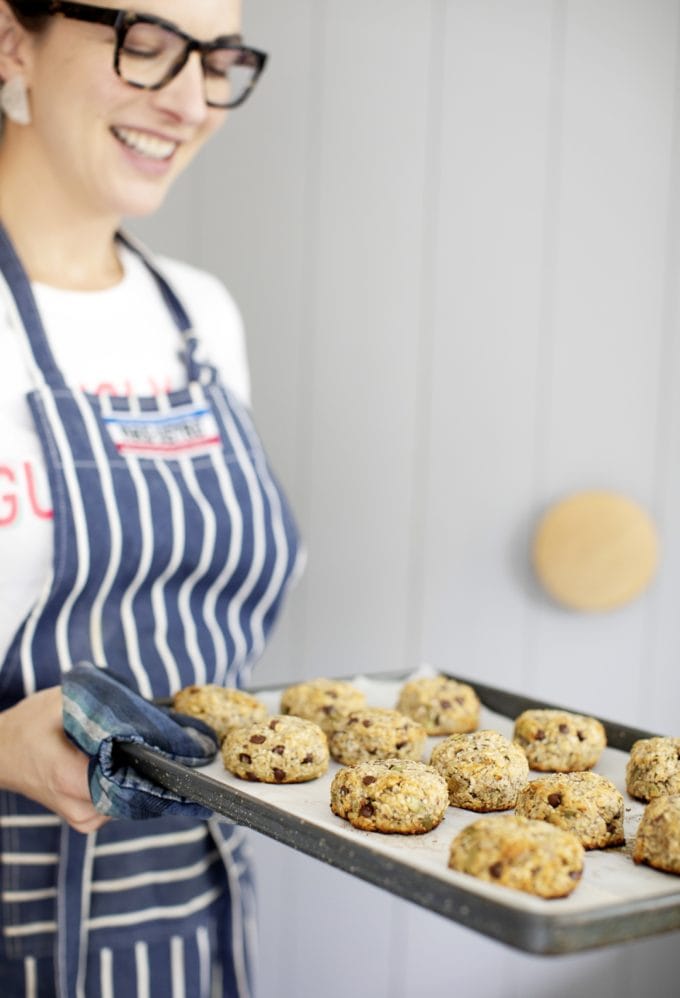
(615, 901)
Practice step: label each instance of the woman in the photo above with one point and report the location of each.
(141, 528)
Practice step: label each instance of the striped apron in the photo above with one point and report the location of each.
(173, 547)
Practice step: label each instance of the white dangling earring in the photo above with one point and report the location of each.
(14, 100)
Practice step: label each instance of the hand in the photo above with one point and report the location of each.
(38, 760)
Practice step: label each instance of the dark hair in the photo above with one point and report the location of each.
(32, 22)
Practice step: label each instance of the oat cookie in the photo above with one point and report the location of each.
(583, 803)
(376, 733)
(653, 768)
(323, 701)
(393, 795)
(530, 856)
(658, 838)
(558, 741)
(278, 750)
(484, 771)
(220, 707)
(442, 705)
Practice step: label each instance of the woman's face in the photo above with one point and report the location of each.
(113, 148)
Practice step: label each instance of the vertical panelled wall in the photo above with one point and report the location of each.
(453, 227)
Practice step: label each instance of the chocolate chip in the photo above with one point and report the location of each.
(343, 791)
(251, 776)
(272, 725)
(244, 757)
(400, 744)
(367, 810)
(368, 779)
(367, 724)
(327, 710)
(581, 736)
(353, 720)
(257, 739)
(445, 704)
(495, 870)
(279, 775)
(611, 827)
(540, 735)
(279, 749)
(308, 758)
(459, 700)
(372, 751)
(554, 800)
(564, 729)
(576, 874)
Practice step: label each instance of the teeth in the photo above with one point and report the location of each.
(147, 145)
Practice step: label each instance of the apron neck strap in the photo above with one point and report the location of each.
(21, 297)
(26, 311)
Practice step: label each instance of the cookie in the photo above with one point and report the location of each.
(393, 795)
(376, 733)
(653, 768)
(484, 771)
(558, 741)
(279, 750)
(658, 839)
(530, 856)
(220, 707)
(442, 705)
(583, 803)
(323, 701)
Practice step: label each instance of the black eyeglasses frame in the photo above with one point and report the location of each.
(122, 20)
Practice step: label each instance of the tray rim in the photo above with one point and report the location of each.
(538, 933)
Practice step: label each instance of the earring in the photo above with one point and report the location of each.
(14, 100)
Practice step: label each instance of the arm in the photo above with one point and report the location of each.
(38, 761)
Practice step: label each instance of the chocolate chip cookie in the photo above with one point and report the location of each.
(586, 804)
(393, 795)
(653, 768)
(221, 707)
(279, 750)
(530, 856)
(376, 733)
(559, 741)
(658, 839)
(442, 705)
(483, 770)
(324, 701)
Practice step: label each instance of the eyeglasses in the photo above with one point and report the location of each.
(150, 52)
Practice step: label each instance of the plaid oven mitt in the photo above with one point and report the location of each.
(102, 712)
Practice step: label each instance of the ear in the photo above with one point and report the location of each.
(15, 44)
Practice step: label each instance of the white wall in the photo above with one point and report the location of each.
(453, 227)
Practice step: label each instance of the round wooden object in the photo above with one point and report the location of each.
(595, 551)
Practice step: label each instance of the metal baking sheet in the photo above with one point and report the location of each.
(616, 899)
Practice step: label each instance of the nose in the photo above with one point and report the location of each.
(184, 96)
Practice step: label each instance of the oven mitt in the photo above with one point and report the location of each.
(101, 712)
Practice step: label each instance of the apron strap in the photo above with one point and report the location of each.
(73, 909)
(195, 371)
(21, 296)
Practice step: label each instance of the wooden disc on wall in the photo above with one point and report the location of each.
(595, 551)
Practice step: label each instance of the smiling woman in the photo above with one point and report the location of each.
(153, 539)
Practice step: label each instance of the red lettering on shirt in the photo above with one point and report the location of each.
(9, 501)
(125, 389)
(22, 495)
(41, 512)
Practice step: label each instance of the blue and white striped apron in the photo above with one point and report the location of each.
(173, 547)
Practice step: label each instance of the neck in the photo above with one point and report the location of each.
(57, 241)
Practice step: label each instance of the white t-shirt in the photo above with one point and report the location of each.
(121, 341)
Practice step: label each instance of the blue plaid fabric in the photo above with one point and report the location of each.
(102, 712)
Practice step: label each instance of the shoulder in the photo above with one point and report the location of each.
(216, 320)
